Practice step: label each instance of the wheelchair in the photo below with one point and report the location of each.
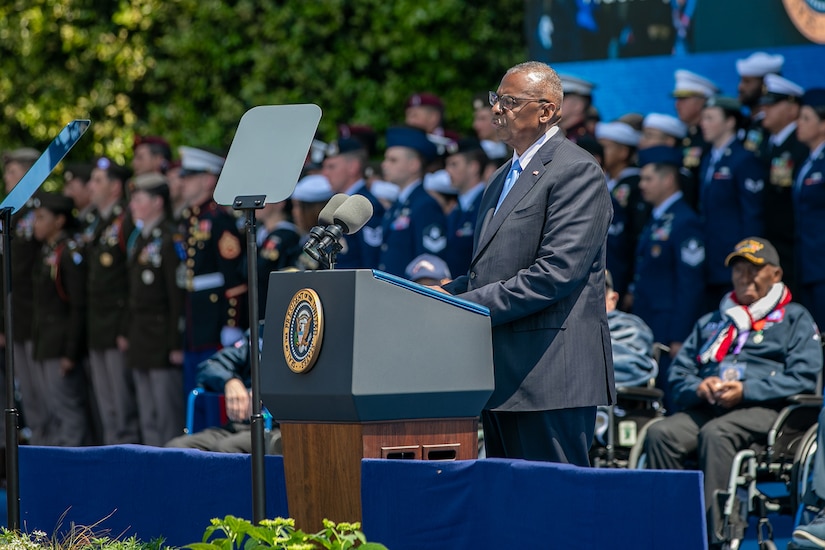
(765, 479)
(620, 426)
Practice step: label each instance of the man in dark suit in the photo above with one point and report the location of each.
(538, 265)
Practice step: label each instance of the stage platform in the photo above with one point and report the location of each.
(477, 504)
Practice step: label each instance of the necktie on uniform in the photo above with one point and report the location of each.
(512, 176)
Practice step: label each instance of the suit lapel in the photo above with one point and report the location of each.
(528, 178)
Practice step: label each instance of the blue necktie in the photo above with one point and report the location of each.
(515, 170)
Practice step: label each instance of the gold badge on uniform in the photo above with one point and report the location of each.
(106, 259)
(303, 330)
(229, 246)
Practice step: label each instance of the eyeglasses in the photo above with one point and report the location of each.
(508, 102)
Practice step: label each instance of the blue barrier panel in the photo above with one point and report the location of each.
(498, 503)
(150, 492)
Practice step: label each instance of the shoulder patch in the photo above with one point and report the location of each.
(373, 236)
(434, 239)
(692, 252)
(754, 186)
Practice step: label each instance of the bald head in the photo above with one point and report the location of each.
(541, 79)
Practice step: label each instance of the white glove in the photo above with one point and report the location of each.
(230, 335)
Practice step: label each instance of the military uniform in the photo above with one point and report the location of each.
(809, 205)
(279, 249)
(107, 291)
(783, 161)
(212, 276)
(731, 207)
(461, 227)
(414, 225)
(694, 147)
(59, 314)
(634, 215)
(669, 279)
(155, 329)
(363, 250)
(25, 253)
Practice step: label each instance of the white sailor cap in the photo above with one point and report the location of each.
(313, 188)
(439, 182)
(760, 64)
(779, 89)
(620, 132)
(691, 84)
(385, 190)
(668, 124)
(574, 85)
(196, 161)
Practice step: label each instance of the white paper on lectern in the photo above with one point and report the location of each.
(268, 152)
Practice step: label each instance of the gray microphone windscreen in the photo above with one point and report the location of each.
(353, 214)
(325, 216)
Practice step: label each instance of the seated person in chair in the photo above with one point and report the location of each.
(632, 342)
(228, 371)
(735, 371)
(812, 535)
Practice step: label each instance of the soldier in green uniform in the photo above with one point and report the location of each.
(154, 351)
(59, 311)
(107, 290)
(24, 252)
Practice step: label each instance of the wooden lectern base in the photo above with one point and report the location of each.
(322, 462)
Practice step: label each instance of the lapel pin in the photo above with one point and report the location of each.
(535, 172)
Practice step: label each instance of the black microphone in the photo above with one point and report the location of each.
(325, 218)
(351, 216)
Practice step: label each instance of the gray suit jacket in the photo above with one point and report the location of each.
(538, 265)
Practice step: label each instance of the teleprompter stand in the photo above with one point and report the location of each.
(262, 166)
(14, 201)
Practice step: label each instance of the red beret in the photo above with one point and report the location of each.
(424, 100)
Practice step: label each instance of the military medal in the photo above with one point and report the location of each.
(147, 277)
(106, 259)
(757, 339)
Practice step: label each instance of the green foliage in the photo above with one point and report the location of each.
(78, 538)
(188, 69)
(280, 533)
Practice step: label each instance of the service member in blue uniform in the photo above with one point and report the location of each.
(278, 245)
(415, 224)
(344, 166)
(809, 205)
(212, 273)
(466, 168)
(737, 367)
(669, 282)
(782, 154)
(731, 193)
(619, 141)
(690, 94)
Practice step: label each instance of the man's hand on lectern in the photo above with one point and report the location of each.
(438, 288)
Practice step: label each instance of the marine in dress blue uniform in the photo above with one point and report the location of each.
(344, 166)
(415, 224)
(212, 272)
(731, 196)
(809, 205)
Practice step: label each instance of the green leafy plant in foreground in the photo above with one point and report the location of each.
(280, 533)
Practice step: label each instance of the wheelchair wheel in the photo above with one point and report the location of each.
(802, 465)
(637, 458)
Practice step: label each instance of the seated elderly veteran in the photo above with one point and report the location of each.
(736, 368)
(631, 340)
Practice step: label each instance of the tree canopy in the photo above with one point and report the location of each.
(188, 69)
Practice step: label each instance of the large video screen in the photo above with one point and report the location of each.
(581, 30)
